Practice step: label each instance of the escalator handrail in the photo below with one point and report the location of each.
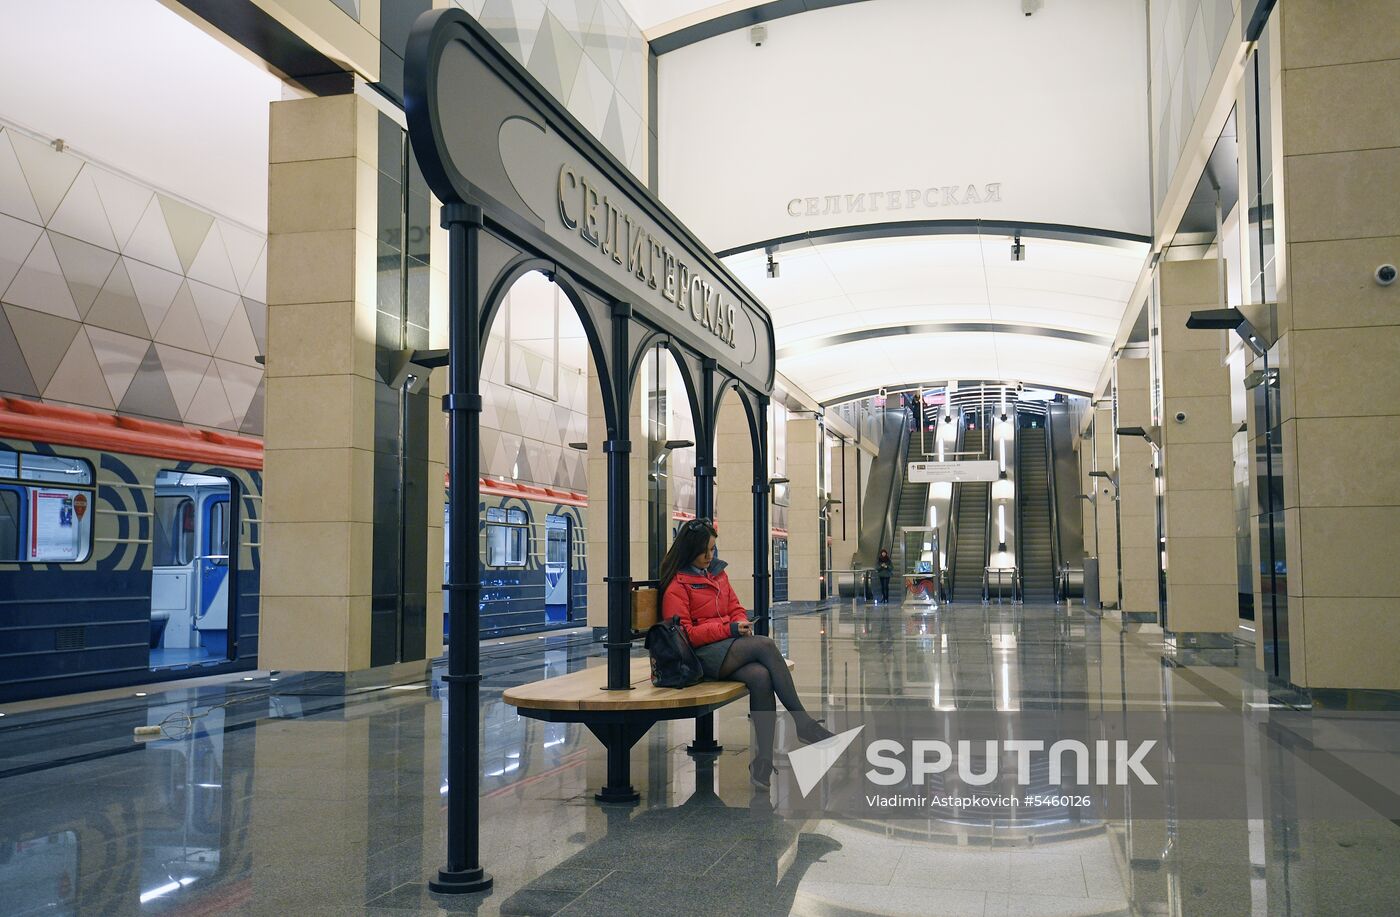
(954, 504)
(1054, 505)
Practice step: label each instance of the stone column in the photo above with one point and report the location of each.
(1339, 341)
(1106, 505)
(804, 445)
(1137, 500)
(1202, 578)
(845, 520)
(597, 539)
(734, 495)
(319, 458)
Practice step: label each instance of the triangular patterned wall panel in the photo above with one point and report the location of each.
(79, 379)
(17, 240)
(43, 339)
(15, 199)
(40, 286)
(117, 307)
(85, 268)
(149, 394)
(120, 357)
(81, 214)
(48, 172)
(14, 371)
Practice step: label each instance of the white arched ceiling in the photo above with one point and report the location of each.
(881, 114)
(852, 316)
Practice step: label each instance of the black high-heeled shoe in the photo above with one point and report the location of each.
(811, 731)
(761, 773)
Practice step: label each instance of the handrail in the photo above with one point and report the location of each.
(1054, 504)
(988, 525)
(954, 503)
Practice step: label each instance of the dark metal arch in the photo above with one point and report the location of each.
(507, 278)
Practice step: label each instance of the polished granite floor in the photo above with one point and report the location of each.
(265, 797)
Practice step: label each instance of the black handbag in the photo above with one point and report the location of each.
(673, 660)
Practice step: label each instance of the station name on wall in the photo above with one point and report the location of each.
(898, 199)
(625, 241)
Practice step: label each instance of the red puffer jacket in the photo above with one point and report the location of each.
(705, 603)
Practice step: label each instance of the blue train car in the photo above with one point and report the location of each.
(129, 551)
(534, 570)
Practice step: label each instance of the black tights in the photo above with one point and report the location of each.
(757, 663)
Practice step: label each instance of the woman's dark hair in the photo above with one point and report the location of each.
(691, 541)
(884, 554)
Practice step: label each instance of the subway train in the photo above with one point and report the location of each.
(129, 550)
(534, 569)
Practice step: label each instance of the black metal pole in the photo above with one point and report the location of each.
(705, 442)
(463, 872)
(762, 547)
(618, 449)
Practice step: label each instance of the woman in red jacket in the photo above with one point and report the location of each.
(695, 589)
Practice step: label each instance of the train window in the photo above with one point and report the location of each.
(54, 469)
(9, 463)
(174, 539)
(506, 545)
(9, 525)
(218, 530)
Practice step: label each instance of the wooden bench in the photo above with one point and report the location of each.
(620, 718)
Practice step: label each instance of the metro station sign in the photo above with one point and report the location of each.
(486, 133)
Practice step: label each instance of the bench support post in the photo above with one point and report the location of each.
(618, 739)
(705, 743)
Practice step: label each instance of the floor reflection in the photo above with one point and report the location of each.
(279, 798)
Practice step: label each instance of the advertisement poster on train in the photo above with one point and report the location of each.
(53, 528)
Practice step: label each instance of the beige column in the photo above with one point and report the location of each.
(597, 521)
(1084, 453)
(734, 495)
(1340, 341)
(319, 471)
(845, 522)
(1137, 501)
(1202, 578)
(1106, 505)
(804, 444)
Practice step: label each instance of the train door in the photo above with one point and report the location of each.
(190, 584)
(558, 551)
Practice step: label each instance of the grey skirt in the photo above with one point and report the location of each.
(711, 656)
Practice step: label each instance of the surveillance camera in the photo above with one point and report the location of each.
(758, 35)
(1020, 387)
(1181, 417)
(1385, 275)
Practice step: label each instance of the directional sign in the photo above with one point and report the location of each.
(954, 472)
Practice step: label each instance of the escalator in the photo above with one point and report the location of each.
(1033, 509)
(913, 503)
(970, 535)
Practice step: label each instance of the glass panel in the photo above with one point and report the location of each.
(9, 463)
(495, 514)
(506, 545)
(517, 516)
(60, 525)
(172, 543)
(218, 529)
(52, 468)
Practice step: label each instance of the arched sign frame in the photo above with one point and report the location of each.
(526, 188)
